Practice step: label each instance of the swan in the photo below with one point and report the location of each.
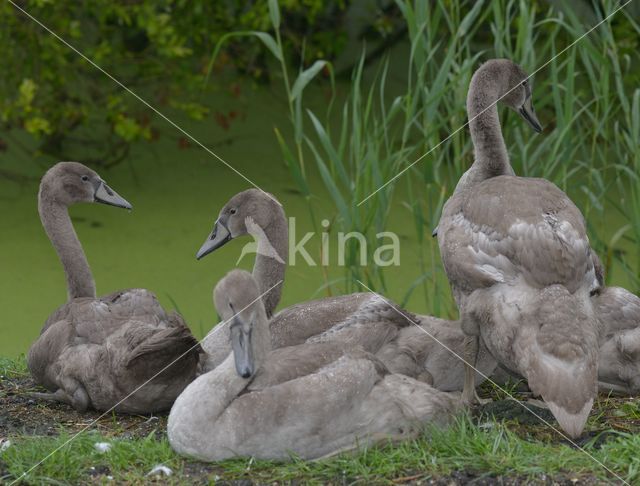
(517, 256)
(346, 318)
(618, 311)
(412, 351)
(96, 352)
(619, 358)
(310, 400)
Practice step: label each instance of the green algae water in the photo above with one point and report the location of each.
(177, 192)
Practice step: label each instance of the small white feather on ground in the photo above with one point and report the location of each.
(160, 470)
(4, 444)
(102, 447)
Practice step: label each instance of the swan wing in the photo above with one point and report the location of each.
(503, 229)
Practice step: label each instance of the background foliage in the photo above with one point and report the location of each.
(588, 97)
(158, 48)
(174, 52)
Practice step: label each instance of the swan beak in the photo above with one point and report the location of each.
(528, 113)
(105, 195)
(217, 238)
(242, 351)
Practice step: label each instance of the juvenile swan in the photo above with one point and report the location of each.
(310, 400)
(619, 358)
(517, 256)
(94, 352)
(347, 318)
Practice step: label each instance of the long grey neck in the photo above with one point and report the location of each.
(261, 339)
(57, 224)
(490, 152)
(267, 270)
(226, 380)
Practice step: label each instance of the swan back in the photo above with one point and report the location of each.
(509, 228)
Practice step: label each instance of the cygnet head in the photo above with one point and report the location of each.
(260, 206)
(503, 80)
(68, 183)
(239, 305)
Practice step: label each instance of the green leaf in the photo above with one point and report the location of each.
(128, 128)
(274, 13)
(469, 19)
(331, 186)
(268, 41)
(27, 92)
(293, 165)
(617, 236)
(37, 125)
(305, 77)
(336, 162)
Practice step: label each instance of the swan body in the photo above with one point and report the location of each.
(399, 338)
(433, 351)
(619, 313)
(517, 256)
(346, 318)
(104, 352)
(310, 400)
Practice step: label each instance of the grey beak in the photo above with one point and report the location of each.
(242, 353)
(217, 238)
(105, 195)
(528, 113)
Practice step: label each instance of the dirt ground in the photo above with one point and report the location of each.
(22, 415)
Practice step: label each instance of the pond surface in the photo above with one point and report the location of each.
(176, 193)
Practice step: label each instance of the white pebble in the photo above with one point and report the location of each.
(102, 447)
(161, 470)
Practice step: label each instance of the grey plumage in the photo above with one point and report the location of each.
(348, 318)
(93, 352)
(433, 352)
(618, 312)
(311, 400)
(619, 359)
(519, 262)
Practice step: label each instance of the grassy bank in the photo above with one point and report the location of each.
(497, 443)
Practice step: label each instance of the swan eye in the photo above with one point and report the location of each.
(85, 178)
(233, 211)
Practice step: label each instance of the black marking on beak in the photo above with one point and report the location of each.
(219, 236)
(527, 112)
(105, 195)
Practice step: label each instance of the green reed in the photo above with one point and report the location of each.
(586, 98)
